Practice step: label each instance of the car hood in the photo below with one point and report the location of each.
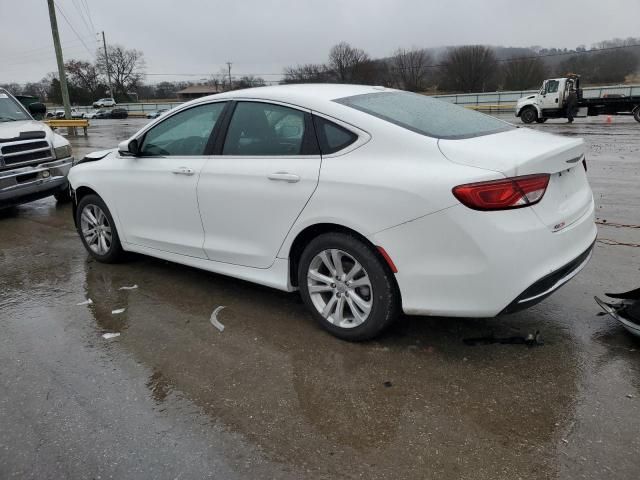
(13, 130)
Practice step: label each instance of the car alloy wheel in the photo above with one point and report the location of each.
(340, 288)
(96, 229)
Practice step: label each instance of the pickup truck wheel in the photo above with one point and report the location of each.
(347, 287)
(529, 115)
(636, 113)
(63, 196)
(97, 230)
(541, 120)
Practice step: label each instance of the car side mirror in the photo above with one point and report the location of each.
(37, 108)
(129, 148)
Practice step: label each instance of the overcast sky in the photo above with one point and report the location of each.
(262, 36)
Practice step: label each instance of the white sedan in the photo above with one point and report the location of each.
(370, 201)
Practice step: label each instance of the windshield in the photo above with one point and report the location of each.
(11, 110)
(425, 115)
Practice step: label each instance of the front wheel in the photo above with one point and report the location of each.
(529, 115)
(63, 196)
(636, 114)
(348, 288)
(97, 230)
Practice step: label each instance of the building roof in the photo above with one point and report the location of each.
(199, 90)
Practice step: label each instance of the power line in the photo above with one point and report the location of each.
(74, 30)
(38, 50)
(86, 7)
(80, 12)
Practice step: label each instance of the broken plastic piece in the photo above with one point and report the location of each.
(108, 336)
(132, 287)
(214, 319)
(627, 311)
(88, 301)
(530, 340)
(117, 311)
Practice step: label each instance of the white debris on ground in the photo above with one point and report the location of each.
(117, 311)
(108, 336)
(88, 301)
(214, 319)
(132, 287)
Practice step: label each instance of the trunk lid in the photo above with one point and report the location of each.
(524, 152)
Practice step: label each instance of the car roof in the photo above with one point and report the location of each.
(313, 96)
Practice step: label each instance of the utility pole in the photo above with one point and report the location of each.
(59, 59)
(106, 59)
(229, 65)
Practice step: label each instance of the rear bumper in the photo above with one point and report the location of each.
(549, 283)
(27, 184)
(463, 263)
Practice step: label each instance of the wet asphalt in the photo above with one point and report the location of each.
(273, 396)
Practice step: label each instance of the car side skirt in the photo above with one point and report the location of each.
(276, 276)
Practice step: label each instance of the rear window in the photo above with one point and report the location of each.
(425, 115)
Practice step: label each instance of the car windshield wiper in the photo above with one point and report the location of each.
(7, 119)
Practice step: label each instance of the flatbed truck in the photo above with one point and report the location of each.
(553, 98)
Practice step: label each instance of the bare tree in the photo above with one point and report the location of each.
(411, 68)
(307, 73)
(471, 68)
(348, 64)
(249, 81)
(86, 76)
(126, 67)
(523, 74)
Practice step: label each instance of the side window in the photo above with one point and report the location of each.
(552, 86)
(332, 137)
(265, 129)
(185, 133)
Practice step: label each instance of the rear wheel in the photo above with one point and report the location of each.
(636, 113)
(349, 290)
(529, 115)
(97, 230)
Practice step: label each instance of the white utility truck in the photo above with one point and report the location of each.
(553, 101)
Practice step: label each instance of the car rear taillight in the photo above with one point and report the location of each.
(514, 192)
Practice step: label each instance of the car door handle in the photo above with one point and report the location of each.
(183, 171)
(284, 177)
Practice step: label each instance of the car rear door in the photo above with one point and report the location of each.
(252, 191)
(155, 192)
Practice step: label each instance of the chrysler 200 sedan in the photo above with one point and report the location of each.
(370, 201)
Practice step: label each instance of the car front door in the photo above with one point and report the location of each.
(156, 192)
(550, 96)
(251, 193)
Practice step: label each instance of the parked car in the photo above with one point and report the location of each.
(104, 102)
(34, 161)
(368, 200)
(118, 113)
(157, 113)
(102, 113)
(75, 114)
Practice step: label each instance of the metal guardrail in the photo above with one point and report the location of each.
(484, 98)
(498, 98)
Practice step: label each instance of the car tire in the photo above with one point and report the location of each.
(363, 287)
(105, 245)
(529, 115)
(636, 114)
